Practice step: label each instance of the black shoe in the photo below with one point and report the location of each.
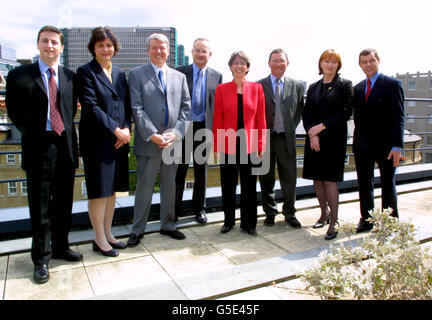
(251, 232)
(201, 217)
(109, 253)
(320, 224)
(364, 226)
(175, 234)
(226, 228)
(293, 222)
(269, 220)
(118, 245)
(330, 235)
(134, 240)
(41, 273)
(68, 255)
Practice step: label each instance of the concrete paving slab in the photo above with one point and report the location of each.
(21, 266)
(121, 275)
(211, 233)
(156, 242)
(191, 261)
(92, 258)
(160, 291)
(67, 284)
(249, 250)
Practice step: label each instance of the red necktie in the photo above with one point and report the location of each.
(56, 119)
(368, 91)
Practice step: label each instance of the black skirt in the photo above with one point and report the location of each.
(106, 174)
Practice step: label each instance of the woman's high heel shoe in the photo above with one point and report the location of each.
(320, 224)
(109, 253)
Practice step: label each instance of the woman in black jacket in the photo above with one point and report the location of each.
(327, 110)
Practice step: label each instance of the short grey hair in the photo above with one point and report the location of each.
(201, 39)
(157, 36)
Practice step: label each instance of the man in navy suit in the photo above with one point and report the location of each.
(41, 100)
(378, 135)
(202, 93)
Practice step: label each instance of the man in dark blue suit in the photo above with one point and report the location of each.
(41, 100)
(378, 135)
(202, 93)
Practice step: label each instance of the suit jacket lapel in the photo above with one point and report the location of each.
(63, 85)
(268, 87)
(376, 90)
(189, 79)
(151, 74)
(100, 74)
(37, 76)
(287, 89)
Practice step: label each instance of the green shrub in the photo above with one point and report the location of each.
(389, 264)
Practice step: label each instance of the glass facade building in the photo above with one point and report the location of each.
(133, 46)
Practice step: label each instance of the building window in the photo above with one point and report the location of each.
(10, 159)
(189, 185)
(12, 188)
(430, 118)
(430, 84)
(411, 85)
(84, 189)
(24, 187)
(411, 104)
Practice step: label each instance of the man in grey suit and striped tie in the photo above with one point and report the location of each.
(160, 108)
(284, 106)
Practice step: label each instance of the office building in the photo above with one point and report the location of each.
(419, 85)
(133, 46)
(8, 60)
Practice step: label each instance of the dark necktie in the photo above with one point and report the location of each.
(161, 79)
(56, 119)
(278, 125)
(197, 103)
(368, 91)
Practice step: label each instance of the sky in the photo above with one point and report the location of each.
(398, 30)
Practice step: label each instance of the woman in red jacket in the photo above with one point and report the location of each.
(239, 125)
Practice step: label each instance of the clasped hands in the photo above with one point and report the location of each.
(123, 137)
(164, 140)
(313, 136)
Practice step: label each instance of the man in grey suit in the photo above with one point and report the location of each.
(202, 83)
(160, 108)
(284, 106)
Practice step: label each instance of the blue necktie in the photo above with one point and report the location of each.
(198, 99)
(161, 79)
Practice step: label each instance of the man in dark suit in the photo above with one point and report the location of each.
(160, 108)
(202, 82)
(41, 102)
(284, 107)
(378, 135)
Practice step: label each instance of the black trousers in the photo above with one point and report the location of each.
(200, 176)
(229, 174)
(365, 159)
(50, 196)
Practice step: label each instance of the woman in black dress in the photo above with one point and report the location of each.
(327, 110)
(104, 135)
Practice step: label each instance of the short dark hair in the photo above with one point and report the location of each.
(242, 55)
(278, 50)
(51, 29)
(369, 51)
(100, 34)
